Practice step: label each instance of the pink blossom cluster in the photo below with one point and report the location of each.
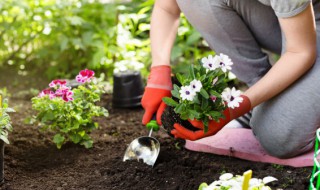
(58, 88)
(85, 76)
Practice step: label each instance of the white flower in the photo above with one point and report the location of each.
(187, 93)
(196, 85)
(226, 176)
(255, 182)
(225, 62)
(210, 63)
(232, 97)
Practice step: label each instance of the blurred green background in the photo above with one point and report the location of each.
(57, 38)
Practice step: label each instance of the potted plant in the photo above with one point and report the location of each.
(202, 94)
(69, 112)
(5, 128)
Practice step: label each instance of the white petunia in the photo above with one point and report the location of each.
(210, 63)
(232, 97)
(196, 85)
(187, 93)
(225, 62)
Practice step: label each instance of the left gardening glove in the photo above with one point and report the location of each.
(180, 131)
(159, 85)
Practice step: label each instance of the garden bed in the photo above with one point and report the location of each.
(32, 161)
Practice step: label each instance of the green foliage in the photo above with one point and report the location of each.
(5, 121)
(64, 36)
(61, 37)
(72, 120)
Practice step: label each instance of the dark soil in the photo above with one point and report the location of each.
(32, 161)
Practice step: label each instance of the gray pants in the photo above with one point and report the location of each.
(285, 125)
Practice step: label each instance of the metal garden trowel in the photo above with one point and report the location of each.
(145, 148)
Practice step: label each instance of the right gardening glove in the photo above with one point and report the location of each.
(159, 85)
(180, 131)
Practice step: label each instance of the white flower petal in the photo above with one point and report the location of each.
(265, 188)
(226, 176)
(269, 179)
(255, 182)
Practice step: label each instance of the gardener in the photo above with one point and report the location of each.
(284, 96)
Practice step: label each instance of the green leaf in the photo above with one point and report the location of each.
(196, 99)
(87, 144)
(180, 78)
(214, 93)
(193, 114)
(191, 72)
(58, 139)
(175, 92)
(170, 102)
(205, 124)
(48, 116)
(204, 103)
(75, 138)
(78, 117)
(82, 133)
(204, 93)
(215, 114)
(180, 108)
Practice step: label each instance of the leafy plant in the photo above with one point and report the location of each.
(69, 112)
(203, 94)
(5, 120)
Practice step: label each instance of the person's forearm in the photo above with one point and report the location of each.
(164, 26)
(286, 71)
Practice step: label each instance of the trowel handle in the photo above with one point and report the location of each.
(153, 124)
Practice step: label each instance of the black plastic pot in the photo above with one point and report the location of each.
(127, 89)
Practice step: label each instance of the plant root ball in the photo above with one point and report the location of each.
(169, 118)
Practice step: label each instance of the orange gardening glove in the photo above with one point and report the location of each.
(159, 85)
(213, 127)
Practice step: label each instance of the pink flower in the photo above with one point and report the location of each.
(68, 96)
(85, 76)
(45, 92)
(57, 82)
(61, 91)
(213, 98)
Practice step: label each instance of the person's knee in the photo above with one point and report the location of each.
(284, 149)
